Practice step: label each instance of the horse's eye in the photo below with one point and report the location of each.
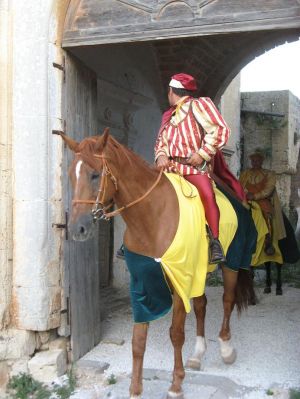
(95, 176)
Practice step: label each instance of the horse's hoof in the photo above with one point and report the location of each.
(267, 290)
(252, 302)
(278, 291)
(175, 395)
(231, 358)
(193, 364)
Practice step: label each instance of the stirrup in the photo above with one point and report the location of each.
(217, 257)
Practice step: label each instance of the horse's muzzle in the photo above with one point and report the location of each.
(82, 229)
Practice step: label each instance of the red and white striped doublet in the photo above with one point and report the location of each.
(195, 126)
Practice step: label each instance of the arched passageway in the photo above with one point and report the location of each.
(119, 58)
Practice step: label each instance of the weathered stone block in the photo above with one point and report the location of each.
(15, 344)
(19, 366)
(59, 343)
(91, 367)
(4, 374)
(48, 365)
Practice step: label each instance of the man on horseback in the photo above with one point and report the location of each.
(260, 186)
(191, 132)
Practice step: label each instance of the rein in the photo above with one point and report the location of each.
(99, 210)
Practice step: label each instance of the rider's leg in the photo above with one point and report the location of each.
(212, 214)
(207, 195)
(269, 248)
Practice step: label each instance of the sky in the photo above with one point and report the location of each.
(277, 69)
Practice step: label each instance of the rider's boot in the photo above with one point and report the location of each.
(215, 250)
(269, 249)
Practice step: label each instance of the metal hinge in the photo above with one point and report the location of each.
(61, 67)
(63, 226)
(67, 310)
(58, 132)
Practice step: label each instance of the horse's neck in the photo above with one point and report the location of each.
(133, 184)
(152, 222)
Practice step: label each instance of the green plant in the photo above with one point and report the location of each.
(24, 386)
(214, 280)
(294, 394)
(66, 390)
(112, 379)
(270, 392)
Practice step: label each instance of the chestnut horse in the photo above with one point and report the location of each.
(104, 171)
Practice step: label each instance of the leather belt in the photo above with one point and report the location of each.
(203, 168)
(183, 160)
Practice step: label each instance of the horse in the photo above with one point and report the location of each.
(104, 172)
(285, 249)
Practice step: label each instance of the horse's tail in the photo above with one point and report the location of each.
(244, 291)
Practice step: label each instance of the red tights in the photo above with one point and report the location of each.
(207, 195)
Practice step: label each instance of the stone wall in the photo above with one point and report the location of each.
(230, 106)
(6, 255)
(271, 121)
(30, 196)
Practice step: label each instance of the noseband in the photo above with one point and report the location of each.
(99, 210)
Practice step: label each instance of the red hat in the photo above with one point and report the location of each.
(183, 81)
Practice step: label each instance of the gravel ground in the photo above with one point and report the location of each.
(266, 337)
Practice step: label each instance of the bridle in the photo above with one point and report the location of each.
(99, 209)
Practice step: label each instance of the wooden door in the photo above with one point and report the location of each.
(81, 259)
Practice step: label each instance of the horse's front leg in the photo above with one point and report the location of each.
(228, 353)
(267, 289)
(177, 338)
(278, 281)
(139, 339)
(194, 362)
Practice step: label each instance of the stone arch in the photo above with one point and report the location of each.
(208, 39)
(213, 49)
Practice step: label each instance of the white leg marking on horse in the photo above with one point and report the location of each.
(136, 397)
(200, 347)
(194, 362)
(77, 170)
(228, 352)
(176, 395)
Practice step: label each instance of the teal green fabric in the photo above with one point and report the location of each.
(149, 292)
(243, 245)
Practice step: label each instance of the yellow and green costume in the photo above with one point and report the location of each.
(186, 260)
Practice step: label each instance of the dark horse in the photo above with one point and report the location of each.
(104, 171)
(285, 250)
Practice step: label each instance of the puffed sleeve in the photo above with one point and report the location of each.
(215, 127)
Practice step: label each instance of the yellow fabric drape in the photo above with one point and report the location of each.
(260, 257)
(186, 260)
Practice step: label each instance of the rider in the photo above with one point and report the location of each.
(260, 186)
(191, 132)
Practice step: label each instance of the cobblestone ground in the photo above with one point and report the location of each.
(266, 337)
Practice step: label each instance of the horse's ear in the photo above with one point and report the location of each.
(102, 140)
(72, 144)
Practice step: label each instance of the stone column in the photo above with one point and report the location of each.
(37, 245)
(5, 164)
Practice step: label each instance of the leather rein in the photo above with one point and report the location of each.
(99, 210)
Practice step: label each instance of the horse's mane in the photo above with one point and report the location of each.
(114, 150)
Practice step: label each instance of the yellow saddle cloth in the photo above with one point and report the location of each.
(260, 257)
(186, 260)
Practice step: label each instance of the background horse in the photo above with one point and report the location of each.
(286, 249)
(150, 208)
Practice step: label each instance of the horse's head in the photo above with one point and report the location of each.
(92, 189)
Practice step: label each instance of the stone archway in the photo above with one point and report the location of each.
(210, 39)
